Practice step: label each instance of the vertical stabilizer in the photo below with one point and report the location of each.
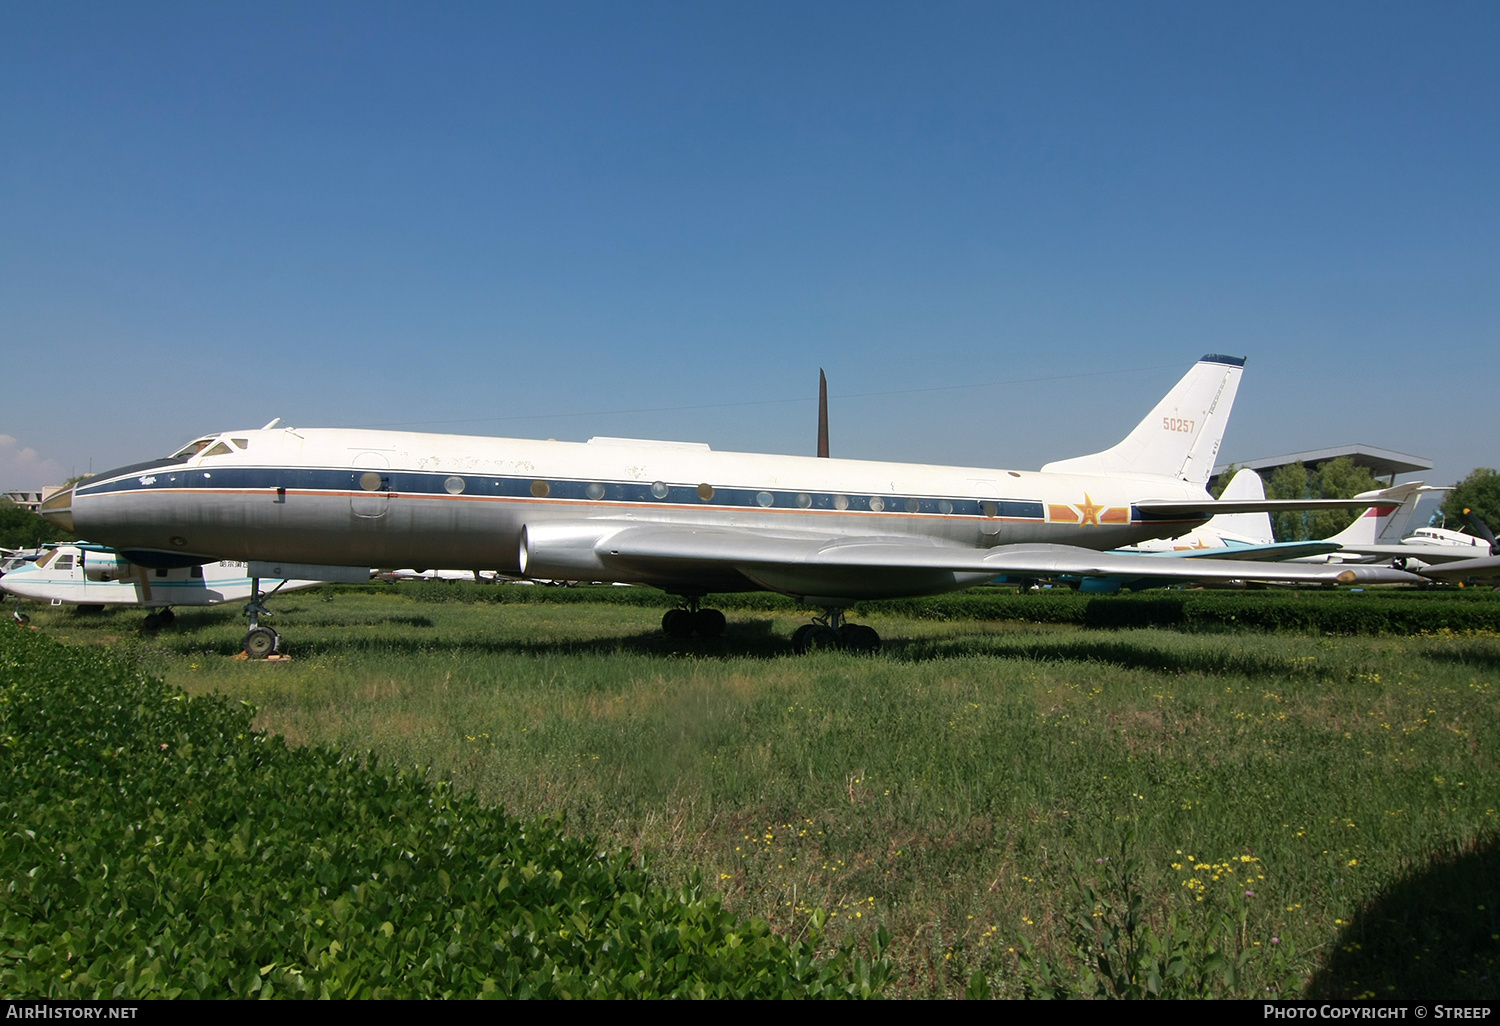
(1180, 437)
(1398, 504)
(1250, 528)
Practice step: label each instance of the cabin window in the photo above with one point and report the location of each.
(841, 502)
(944, 506)
(64, 563)
(454, 485)
(876, 504)
(369, 481)
(660, 489)
(989, 509)
(162, 573)
(595, 491)
(705, 492)
(197, 572)
(764, 498)
(803, 500)
(541, 489)
(912, 505)
(220, 450)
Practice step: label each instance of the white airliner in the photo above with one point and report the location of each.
(330, 503)
(88, 575)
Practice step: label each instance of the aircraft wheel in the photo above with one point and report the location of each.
(814, 637)
(152, 622)
(856, 637)
(709, 623)
(20, 618)
(799, 637)
(88, 609)
(167, 616)
(677, 623)
(261, 642)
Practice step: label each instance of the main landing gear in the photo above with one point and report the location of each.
(260, 642)
(829, 631)
(159, 618)
(684, 623)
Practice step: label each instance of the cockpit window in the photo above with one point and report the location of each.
(193, 448)
(240, 443)
(220, 450)
(45, 558)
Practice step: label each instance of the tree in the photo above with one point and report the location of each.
(20, 528)
(1337, 479)
(1480, 491)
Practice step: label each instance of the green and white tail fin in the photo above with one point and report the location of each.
(1180, 437)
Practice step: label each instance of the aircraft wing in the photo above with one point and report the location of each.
(826, 565)
(1426, 553)
(1485, 568)
(1271, 552)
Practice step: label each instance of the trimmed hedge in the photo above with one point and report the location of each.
(1337, 612)
(154, 845)
(1333, 611)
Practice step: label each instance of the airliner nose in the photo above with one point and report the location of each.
(58, 508)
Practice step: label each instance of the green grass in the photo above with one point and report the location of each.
(949, 787)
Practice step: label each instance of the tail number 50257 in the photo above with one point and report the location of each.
(1177, 424)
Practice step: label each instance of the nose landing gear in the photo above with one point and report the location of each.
(260, 642)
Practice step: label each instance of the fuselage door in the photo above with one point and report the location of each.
(370, 494)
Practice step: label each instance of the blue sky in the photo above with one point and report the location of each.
(1004, 230)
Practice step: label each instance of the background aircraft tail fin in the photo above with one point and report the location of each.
(1253, 528)
(1398, 504)
(1180, 437)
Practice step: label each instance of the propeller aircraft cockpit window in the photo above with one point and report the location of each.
(220, 450)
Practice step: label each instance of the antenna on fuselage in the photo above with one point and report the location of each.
(274, 422)
(822, 414)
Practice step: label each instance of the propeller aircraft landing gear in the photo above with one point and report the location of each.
(159, 618)
(684, 623)
(829, 631)
(260, 642)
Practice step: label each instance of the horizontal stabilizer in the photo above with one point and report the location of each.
(1188, 509)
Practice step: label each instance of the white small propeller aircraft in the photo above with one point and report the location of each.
(331, 503)
(92, 576)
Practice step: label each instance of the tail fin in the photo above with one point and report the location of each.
(1180, 438)
(1398, 502)
(1253, 528)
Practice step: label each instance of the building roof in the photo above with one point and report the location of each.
(1382, 462)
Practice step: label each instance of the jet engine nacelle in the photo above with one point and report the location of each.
(565, 551)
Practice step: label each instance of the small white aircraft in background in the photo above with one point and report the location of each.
(92, 576)
(331, 503)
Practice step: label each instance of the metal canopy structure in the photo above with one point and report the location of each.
(1384, 463)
